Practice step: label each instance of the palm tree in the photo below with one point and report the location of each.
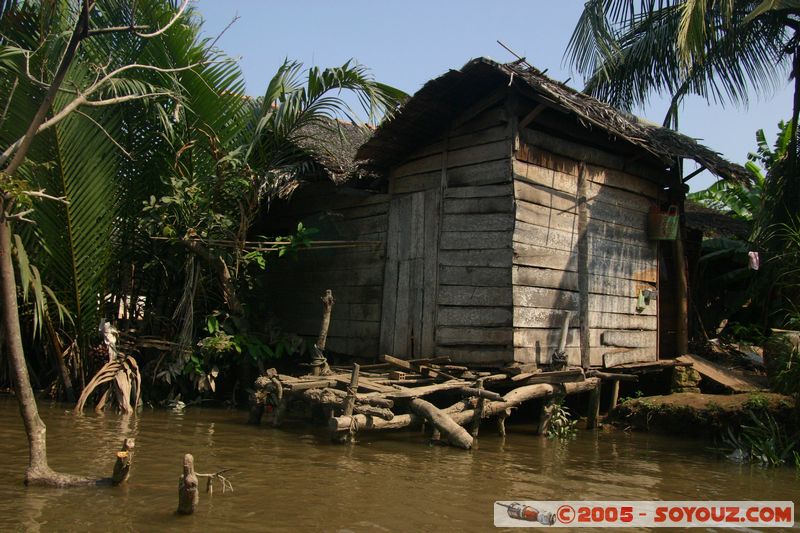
(721, 50)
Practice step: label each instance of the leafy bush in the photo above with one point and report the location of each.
(562, 425)
(765, 441)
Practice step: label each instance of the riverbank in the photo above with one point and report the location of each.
(702, 415)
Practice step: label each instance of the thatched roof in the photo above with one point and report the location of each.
(715, 223)
(334, 144)
(440, 100)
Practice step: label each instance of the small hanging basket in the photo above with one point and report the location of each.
(663, 225)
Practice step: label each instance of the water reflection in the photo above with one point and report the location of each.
(293, 478)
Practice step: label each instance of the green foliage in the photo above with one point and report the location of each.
(763, 441)
(720, 51)
(562, 425)
(787, 363)
(756, 402)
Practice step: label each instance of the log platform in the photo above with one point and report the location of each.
(395, 393)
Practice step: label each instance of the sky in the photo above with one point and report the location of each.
(407, 43)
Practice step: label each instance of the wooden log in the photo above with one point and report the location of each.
(455, 434)
(611, 376)
(280, 402)
(481, 393)
(560, 376)
(320, 365)
(188, 495)
(122, 466)
(424, 391)
(369, 410)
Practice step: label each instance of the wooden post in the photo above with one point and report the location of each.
(583, 265)
(188, 495)
(594, 407)
(327, 308)
(548, 405)
(501, 422)
(280, 407)
(614, 394)
(320, 364)
(682, 295)
(479, 411)
(122, 467)
(348, 405)
(350, 400)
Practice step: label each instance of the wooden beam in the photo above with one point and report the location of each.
(530, 117)
(480, 107)
(583, 265)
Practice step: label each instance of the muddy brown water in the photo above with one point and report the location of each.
(293, 479)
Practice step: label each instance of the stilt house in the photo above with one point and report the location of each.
(498, 202)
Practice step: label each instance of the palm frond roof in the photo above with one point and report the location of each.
(441, 99)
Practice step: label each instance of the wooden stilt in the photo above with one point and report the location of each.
(594, 408)
(348, 405)
(479, 411)
(546, 413)
(501, 422)
(450, 430)
(614, 394)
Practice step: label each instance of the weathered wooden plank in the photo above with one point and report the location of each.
(390, 283)
(494, 132)
(370, 312)
(401, 345)
(431, 270)
(561, 155)
(338, 327)
(530, 317)
(415, 182)
(720, 374)
(474, 296)
(636, 355)
(474, 316)
(448, 336)
(416, 304)
(630, 339)
(475, 276)
(637, 249)
(557, 189)
(486, 173)
(559, 260)
(357, 294)
(531, 337)
(486, 119)
(484, 222)
(475, 240)
(478, 205)
(484, 355)
(476, 258)
(543, 298)
(557, 279)
(478, 191)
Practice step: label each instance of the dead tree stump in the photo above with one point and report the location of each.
(122, 468)
(188, 496)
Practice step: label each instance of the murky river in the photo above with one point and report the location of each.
(293, 479)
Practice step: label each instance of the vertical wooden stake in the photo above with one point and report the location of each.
(122, 467)
(544, 417)
(583, 265)
(501, 422)
(614, 394)
(480, 410)
(349, 404)
(327, 308)
(188, 495)
(594, 408)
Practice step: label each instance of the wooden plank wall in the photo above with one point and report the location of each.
(354, 274)
(471, 169)
(621, 259)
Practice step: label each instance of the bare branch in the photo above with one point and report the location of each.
(44, 196)
(82, 99)
(169, 24)
(225, 29)
(105, 132)
(117, 29)
(21, 216)
(122, 99)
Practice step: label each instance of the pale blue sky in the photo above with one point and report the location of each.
(407, 43)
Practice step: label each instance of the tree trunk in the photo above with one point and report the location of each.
(38, 471)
